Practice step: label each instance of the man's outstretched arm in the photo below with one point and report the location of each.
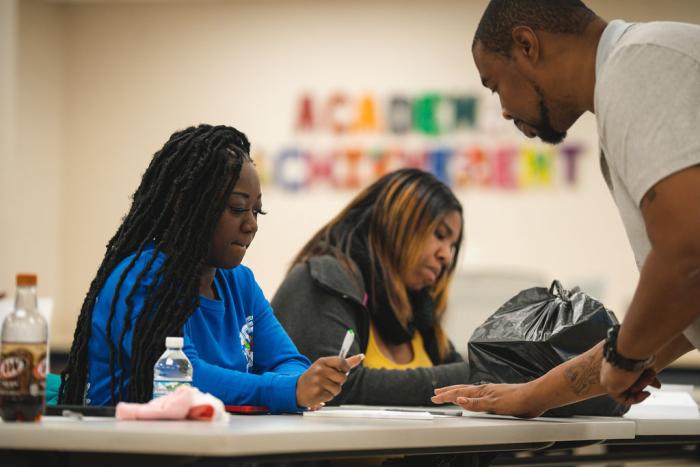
(572, 381)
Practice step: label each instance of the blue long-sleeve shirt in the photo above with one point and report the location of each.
(239, 351)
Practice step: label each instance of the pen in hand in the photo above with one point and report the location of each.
(347, 342)
(321, 382)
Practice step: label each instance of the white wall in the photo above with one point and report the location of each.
(32, 143)
(119, 77)
(8, 85)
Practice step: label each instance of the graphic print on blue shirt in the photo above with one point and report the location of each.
(247, 341)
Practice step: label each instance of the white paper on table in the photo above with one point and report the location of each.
(447, 409)
(671, 401)
(377, 413)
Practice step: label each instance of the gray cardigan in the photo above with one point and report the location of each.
(318, 302)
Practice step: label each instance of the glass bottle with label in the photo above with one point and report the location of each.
(23, 356)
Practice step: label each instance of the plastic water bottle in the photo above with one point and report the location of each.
(173, 368)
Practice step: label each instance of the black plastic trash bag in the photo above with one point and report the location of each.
(535, 331)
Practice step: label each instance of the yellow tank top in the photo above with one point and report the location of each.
(374, 358)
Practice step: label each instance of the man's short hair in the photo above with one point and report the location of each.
(502, 16)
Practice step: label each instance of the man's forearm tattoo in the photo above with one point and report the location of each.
(584, 375)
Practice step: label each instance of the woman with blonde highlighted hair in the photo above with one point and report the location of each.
(381, 268)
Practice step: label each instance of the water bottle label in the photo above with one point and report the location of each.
(162, 387)
(22, 369)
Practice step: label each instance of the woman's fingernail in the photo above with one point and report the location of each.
(347, 374)
(323, 404)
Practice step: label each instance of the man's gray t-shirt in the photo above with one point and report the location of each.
(647, 104)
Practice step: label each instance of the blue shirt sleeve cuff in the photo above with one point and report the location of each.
(281, 392)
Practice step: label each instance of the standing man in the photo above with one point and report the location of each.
(550, 61)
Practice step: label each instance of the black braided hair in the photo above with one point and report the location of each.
(501, 16)
(177, 207)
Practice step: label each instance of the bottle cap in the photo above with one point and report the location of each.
(26, 280)
(174, 342)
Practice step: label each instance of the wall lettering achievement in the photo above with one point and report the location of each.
(346, 142)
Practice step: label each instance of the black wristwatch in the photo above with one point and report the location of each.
(615, 359)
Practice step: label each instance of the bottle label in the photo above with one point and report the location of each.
(23, 369)
(162, 387)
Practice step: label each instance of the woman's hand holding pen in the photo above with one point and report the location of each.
(324, 380)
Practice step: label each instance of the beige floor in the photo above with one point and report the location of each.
(645, 464)
(667, 463)
(598, 449)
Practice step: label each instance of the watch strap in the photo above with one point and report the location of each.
(611, 356)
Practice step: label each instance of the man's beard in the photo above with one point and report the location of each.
(544, 128)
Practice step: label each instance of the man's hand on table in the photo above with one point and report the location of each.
(627, 387)
(501, 399)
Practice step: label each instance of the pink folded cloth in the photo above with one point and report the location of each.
(185, 403)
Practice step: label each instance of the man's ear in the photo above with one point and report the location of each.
(526, 44)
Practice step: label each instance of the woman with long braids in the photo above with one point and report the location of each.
(382, 268)
(173, 269)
